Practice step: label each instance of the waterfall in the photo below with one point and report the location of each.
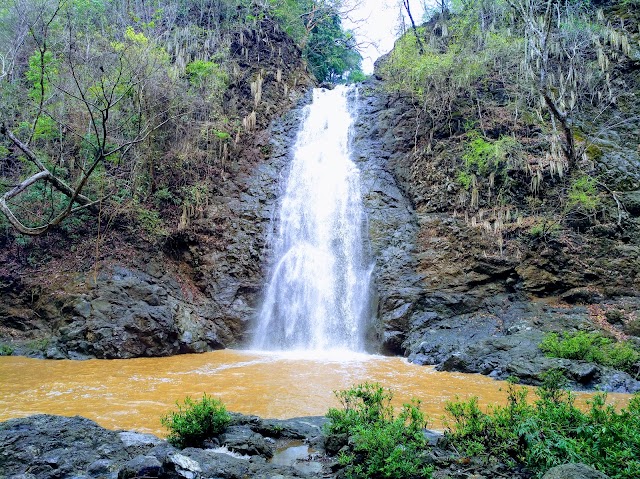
(317, 296)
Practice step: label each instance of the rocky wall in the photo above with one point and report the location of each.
(450, 296)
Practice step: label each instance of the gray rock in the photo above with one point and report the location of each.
(51, 447)
(379, 142)
(631, 201)
(574, 471)
(141, 466)
(136, 440)
(243, 440)
(335, 442)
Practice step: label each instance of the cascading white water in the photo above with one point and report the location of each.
(317, 296)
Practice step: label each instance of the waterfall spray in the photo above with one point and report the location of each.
(318, 293)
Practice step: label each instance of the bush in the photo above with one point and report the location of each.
(196, 421)
(593, 347)
(583, 194)
(6, 350)
(381, 444)
(551, 431)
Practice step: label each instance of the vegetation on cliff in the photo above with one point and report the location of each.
(131, 114)
(594, 347)
(525, 95)
(522, 164)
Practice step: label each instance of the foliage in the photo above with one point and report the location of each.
(484, 156)
(42, 67)
(149, 220)
(6, 350)
(196, 421)
(331, 52)
(544, 229)
(165, 195)
(465, 179)
(201, 73)
(551, 431)
(593, 347)
(38, 345)
(383, 444)
(430, 73)
(356, 76)
(583, 194)
(316, 25)
(108, 95)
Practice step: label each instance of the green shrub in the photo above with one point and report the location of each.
(551, 431)
(483, 156)
(544, 229)
(593, 347)
(583, 194)
(381, 443)
(465, 179)
(6, 350)
(201, 71)
(195, 421)
(149, 220)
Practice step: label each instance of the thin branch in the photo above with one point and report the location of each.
(57, 183)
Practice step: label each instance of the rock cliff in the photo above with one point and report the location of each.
(118, 295)
(454, 294)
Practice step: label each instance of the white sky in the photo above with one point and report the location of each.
(376, 24)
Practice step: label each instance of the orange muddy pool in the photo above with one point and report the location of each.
(135, 393)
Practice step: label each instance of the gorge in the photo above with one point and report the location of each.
(425, 224)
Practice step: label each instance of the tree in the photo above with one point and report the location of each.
(91, 97)
(316, 25)
(562, 38)
(405, 4)
(331, 52)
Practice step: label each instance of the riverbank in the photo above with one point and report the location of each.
(47, 447)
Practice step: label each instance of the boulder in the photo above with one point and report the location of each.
(243, 440)
(141, 466)
(574, 471)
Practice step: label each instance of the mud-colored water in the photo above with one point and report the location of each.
(135, 393)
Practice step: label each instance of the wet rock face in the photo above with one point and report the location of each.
(232, 273)
(380, 140)
(449, 296)
(131, 314)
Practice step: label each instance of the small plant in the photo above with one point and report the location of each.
(164, 195)
(149, 220)
(544, 229)
(381, 444)
(593, 347)
(6, 350)
(551, 431)
(38, 345)
(195, 421)
(485, 156)
(201, 73)
(583, 194)
(465, 179)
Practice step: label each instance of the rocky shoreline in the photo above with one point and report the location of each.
(54, 447)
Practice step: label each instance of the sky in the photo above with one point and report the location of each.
(376, 25)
